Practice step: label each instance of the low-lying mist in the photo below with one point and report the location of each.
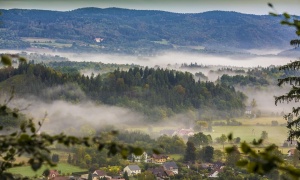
(63, 116)
(171, 58)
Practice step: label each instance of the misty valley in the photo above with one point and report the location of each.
(158, 106)
(170, 85)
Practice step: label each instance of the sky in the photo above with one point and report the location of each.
(259, 7)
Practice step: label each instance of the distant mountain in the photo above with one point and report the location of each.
(141, 30)
(293, 53)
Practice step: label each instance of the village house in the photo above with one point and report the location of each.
(160, 172)
(248, 110)
(215, 172)
(159, 158)
(184, 132)
(171, 166)
(132, 170)
(98, 174)
(141, 158)
(98, 40)
(287, 143)
(291, 152)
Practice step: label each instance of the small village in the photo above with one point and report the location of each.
(163, 167)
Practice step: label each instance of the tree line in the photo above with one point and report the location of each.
(156, 92)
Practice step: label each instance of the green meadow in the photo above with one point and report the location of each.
(64, 168)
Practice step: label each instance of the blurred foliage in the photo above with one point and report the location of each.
(27, 140)
(269, 159)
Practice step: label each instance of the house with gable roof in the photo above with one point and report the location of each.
(100, 174)
(171, 166)
(159, 158)
(140, 158)
(160, 173)
(132, 170)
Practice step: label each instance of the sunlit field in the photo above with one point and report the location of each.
(65, 169)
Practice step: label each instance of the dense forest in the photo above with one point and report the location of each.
(157, 93)
(137, 31)
(259, 77)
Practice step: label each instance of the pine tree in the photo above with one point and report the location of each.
(190, 152)
(125, 175)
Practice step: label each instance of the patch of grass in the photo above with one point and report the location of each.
(261, 120)
(26, 171)
(176, 157)
(276, 134)
(41, 40)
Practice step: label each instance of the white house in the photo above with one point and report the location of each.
(248, 110)
(141, 158)
(132, 170)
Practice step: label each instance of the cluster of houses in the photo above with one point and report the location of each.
(166, 169)
(179, 132)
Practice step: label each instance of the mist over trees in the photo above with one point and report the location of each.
(157, 93)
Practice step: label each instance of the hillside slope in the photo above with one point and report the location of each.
(144, 30)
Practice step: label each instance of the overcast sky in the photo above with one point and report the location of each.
(181, 6)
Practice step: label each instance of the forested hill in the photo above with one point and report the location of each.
(140, 30)
(157, 93)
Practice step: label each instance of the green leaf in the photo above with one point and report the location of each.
(22, 59)
(35, 165)
(6, 60)
(242, 162)
(229, 149)
(46, 173)
(271, 148)
(24, 137)
(155, 151)
(138, 151)
(273, 14)
(286, 15)
(245, 148)
(101, 146)
(124, 153)
(15, 115)
(270, 5)
(230, 137)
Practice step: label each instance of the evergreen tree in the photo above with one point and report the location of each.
(125, 175)
(190, 152)
(90, 177)
(208, 153)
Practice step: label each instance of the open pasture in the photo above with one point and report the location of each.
(276, 134)
(37, 40)
(62, 167)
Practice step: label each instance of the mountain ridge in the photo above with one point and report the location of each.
(147, 30)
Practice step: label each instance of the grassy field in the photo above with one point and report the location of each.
(41, 40)
(276, 134)
(176, 156)
(261, 120)
(27, 171)
(248, 131)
